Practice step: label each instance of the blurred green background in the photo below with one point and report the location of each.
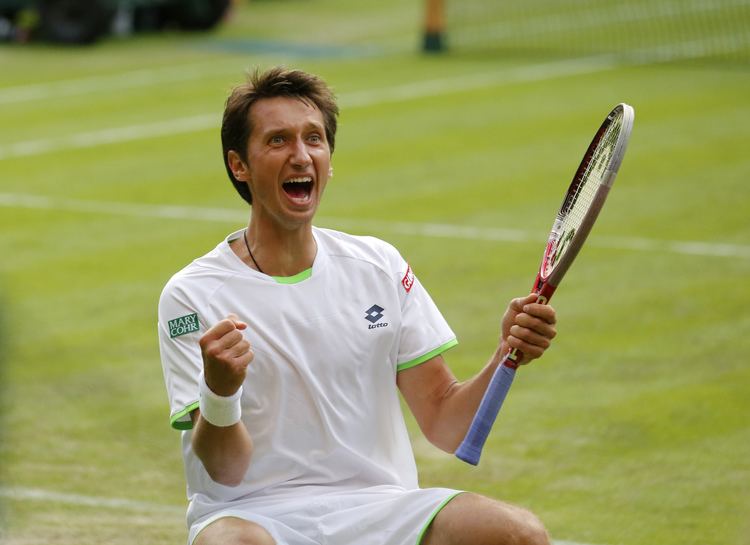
(633, 429)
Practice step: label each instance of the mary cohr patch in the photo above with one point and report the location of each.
(183, 325)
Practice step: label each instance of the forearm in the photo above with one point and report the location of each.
(224, 451)
(455, 409)
(445, 408)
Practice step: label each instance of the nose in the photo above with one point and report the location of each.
(300, 155)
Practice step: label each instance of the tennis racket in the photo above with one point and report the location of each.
(580, 208)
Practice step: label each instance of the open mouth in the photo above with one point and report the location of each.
(299, 189)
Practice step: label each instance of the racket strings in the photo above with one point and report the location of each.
(593, 174)
(583, 190)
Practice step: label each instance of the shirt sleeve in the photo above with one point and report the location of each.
(424, 331)
(180, 328)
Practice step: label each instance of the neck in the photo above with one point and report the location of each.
(277, 253)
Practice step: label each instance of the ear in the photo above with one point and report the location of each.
(239, 168)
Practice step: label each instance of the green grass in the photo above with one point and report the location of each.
(633, 430)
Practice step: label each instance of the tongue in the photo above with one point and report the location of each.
(296, 191)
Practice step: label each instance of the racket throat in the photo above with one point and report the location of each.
(544, 290)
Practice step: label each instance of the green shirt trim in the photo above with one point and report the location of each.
(177, 421)
(434, 514)
(297, 278)
(428, 356)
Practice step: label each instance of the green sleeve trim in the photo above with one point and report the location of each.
(299, 277)
(434, 514)
(429, 355)
(177, 420)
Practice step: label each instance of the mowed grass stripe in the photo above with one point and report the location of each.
(432, 230)
(372, 97)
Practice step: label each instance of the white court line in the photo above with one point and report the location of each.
(370, 97)
(429, 230)
(110, 136)
(470, 82)
(17, 493)
(37, 494)
(132, 79)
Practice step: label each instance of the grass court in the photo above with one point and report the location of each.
(634, 428)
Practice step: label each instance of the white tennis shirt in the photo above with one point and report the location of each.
(320, 398)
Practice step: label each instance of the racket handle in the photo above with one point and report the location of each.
(470, 448)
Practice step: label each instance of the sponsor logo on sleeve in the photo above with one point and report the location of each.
(408, 280)
(183, 325)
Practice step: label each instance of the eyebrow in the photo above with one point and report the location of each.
(310, 125)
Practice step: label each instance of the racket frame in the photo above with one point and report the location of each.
(546, 283)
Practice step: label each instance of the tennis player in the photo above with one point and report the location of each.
(285, 347)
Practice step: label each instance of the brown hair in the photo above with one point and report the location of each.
(236, 125)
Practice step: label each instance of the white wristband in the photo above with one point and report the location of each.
(222, 411)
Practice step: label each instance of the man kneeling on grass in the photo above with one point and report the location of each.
(285, 347)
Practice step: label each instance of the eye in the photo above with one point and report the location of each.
(315, 138)
(276, 140)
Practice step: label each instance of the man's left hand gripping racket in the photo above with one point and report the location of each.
(580, 208)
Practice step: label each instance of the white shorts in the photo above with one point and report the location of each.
(382, 515)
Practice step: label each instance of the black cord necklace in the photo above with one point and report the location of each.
(244, 235)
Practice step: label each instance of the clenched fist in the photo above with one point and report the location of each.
(226, 355)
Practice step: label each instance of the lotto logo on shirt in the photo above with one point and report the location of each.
(183, 326)
(408, 281)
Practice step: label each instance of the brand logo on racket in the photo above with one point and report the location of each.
(555, 248)
(567, 237)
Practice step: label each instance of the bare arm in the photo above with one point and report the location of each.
(224, 450)
(444, 407)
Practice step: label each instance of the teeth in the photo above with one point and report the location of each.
(304, 180)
